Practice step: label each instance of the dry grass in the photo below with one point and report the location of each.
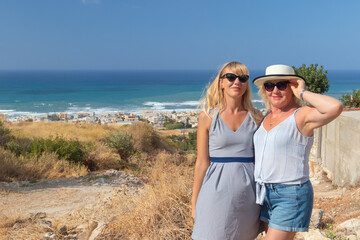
(46, 166)
(102, 157)
(98, 157)
(20, 226)
(162, 210)
(85, 132)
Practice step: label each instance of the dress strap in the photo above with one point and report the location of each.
(296, 111)
(215, 117)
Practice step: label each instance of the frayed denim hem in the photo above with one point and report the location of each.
(289, 229)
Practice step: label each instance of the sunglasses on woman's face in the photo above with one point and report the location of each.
(269, 86)
(232, 77)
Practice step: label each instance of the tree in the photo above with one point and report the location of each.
(316, 79)
(353, 100)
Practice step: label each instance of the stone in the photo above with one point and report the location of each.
(316, 217)
(352, 237)
(24, 183)
(45, 223)
(97, 231)
(72, 236)
(63, 230)
(349, 227)
(40, 215)
(313, 234)
(49, 235)
(92, 226)
(17, 225)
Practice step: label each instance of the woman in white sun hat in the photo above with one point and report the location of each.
(282, 146)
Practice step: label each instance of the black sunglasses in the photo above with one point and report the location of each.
(269, 86)
(232, 77)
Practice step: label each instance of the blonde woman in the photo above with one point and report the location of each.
(223, 200)
(282, 147)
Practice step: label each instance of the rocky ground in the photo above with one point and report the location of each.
(81, 204)
(336, 213)
(53, 203)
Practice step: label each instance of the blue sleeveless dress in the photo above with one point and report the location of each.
(225, 207)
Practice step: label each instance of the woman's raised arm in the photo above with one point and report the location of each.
(322, 110)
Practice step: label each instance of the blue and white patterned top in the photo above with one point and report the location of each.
(281, 155)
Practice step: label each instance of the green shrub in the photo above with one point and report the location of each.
(175, 125)
(185, 143)
(316, 79)
(145, 137)
(351, 100)
(71, 150)
(5, 135)
(122, 142)
(19, 146)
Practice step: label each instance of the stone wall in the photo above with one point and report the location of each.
(337, 149)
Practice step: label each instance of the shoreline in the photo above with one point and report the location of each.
(155, 118)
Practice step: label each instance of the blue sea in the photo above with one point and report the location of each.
(39, 92)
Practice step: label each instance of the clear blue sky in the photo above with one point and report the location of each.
(177, 34)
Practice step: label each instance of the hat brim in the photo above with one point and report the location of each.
(259, 81)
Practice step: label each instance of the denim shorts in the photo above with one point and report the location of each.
(288, 207)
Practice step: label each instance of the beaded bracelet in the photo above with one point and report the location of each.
(301, 94)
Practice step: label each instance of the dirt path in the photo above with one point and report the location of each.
(56, 197)
(338, 203)
(41, 204)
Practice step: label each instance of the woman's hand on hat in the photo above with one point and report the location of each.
(297, 86)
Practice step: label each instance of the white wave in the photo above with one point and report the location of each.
(89, 109)
(164, 104)
(13, 113)
(257, 100)
(190, 103)
(7, 111)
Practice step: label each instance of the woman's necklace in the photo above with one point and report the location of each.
(277, 119)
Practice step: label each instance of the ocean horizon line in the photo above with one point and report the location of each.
(141, 70)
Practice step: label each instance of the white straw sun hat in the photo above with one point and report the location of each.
(277, 72)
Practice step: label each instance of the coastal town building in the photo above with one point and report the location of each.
(155, 118)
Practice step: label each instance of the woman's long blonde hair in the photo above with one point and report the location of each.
(214, 98)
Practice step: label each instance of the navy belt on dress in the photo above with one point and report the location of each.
(232, 159)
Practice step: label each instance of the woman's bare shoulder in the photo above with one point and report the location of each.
(205, 119)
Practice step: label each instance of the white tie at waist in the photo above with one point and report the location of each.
(260, 192)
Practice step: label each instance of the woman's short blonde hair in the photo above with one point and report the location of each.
(214, 98)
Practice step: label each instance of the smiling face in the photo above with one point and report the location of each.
(280, 98)
(235, 88)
